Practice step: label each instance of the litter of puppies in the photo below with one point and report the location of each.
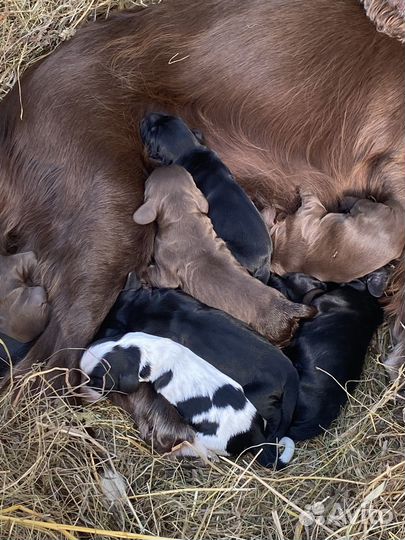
(214, 384)
(354, 449)
(327, 352)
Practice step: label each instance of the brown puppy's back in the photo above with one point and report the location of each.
(157, 420)
(339, 247)
(188, 254)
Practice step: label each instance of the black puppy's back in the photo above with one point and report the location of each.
(329, 352)
(234, 217)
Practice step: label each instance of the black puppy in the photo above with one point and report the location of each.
(268, 378)
(329, 350)
(234, 217)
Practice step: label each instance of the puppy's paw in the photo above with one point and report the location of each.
(286, 333)
(302, 311)
(297, 313)
(111, 367)
(193, 449)
(285, 320)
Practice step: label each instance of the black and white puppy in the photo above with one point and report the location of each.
(235, 218)
(329, 350)
(267, 376)
(225, 421)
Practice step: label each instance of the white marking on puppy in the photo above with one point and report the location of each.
(91, 358)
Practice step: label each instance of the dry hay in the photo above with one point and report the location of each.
(348, 483)
(51, 454)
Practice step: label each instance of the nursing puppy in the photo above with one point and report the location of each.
(24, 309)
(188, 254)
(224, 420)
(329, 350)
(319, 243)
(234, 217)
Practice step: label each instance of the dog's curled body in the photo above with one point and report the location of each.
(267, 377)
(330, 350)
(337, 246)
(188, 254)
(234, 217)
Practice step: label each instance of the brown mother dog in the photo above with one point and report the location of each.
(287, 93)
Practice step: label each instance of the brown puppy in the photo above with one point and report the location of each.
(188, 254)
(24, 310)
(338, 247)
(158, 422)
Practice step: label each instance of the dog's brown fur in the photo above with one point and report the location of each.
(24, 309)
(337, 246)
(188, 254)
(287, 93)
(158, 422)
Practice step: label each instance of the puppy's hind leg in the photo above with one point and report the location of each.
(158, 421)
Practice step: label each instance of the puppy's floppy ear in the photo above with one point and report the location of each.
(377, 282)
(147, 213)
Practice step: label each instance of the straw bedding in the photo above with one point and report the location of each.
(348, 483)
